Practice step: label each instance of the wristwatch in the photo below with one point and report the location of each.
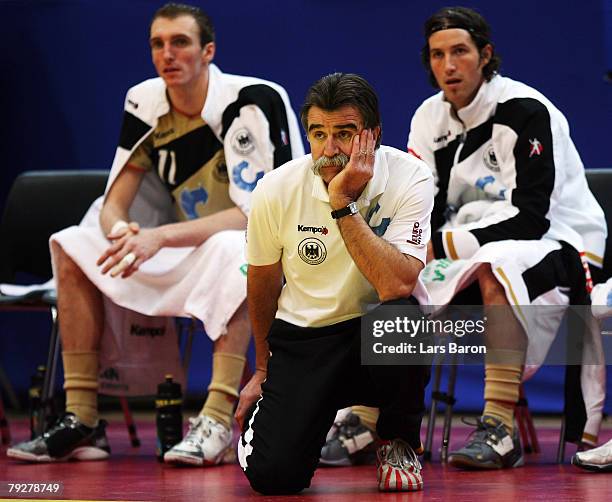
(345, 211)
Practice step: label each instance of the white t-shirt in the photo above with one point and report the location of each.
(291, 221)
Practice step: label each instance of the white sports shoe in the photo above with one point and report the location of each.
(598, 459)
(207, 443)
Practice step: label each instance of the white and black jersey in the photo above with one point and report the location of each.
(506, 166)
(250, 118)
(246, 128)
(511, 193)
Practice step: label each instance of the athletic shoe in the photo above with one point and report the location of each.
(489, 447)
(68, 439)
(399, 469)
(207, 443)
(598, 459)
(350, 443)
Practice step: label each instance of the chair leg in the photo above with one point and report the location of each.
(46, 398)
(519, 418)
(129, 422)
(5, 432)
(448, 412)
(535, 444)
(561, 447)
(431, 423)
(529, 437)
(188, 347)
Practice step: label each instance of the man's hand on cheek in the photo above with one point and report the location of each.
(348, 184)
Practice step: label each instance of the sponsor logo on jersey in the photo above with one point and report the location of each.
(483, 182)
(314, 230)
(189, 200)
(381, 228)
(312, 251)
(536, 147)
(133, 103)
(237, 177)
(417, 232)
(442, 137)
(243, 142)
(490, 159)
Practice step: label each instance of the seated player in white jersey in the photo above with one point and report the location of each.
(169, 238)
(514, 218)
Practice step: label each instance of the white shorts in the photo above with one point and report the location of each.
(207, 282)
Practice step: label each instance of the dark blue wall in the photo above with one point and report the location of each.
(65, 66)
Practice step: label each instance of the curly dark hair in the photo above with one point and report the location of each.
(466, 19)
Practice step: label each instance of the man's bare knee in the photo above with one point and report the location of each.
(493, 293)
(238, 335)
(66, 269)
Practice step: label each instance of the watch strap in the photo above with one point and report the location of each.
(345, 211)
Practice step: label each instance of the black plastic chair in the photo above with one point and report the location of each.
(39, 204)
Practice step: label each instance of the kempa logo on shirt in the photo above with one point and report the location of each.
(416, 234)
(442, 137)
(314, 230)
(110, 374)
(136, 330)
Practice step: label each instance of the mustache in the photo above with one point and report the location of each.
(338, 160)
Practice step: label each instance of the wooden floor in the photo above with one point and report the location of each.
(134, 474)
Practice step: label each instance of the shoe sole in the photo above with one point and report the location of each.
(82, 453)
(414, 488)
(465, 462)
(227, 456)
(393, 478)
(345, 462)
(591, 467)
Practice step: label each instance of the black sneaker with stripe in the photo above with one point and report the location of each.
(68, 439)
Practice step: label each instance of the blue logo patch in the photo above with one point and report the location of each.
(382, 226)
(483, 182)
(240, 181)
(190, 199)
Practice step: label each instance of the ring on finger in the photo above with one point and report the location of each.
(123, 264)
(128, 259)
(363, 152)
